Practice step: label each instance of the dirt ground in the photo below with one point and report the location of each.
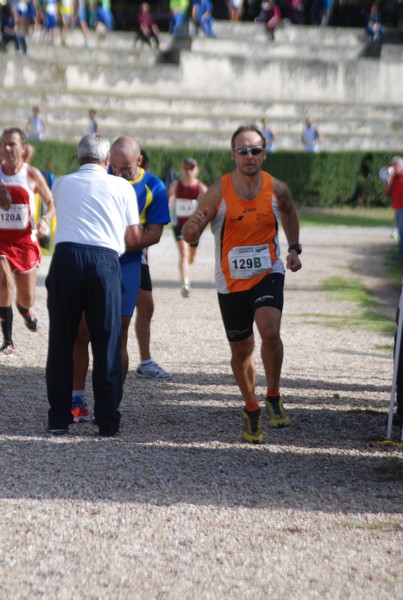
(178, 507)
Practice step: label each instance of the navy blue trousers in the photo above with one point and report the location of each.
(84, 279)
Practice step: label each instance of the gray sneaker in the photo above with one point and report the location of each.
(152, 371)
(185, 290)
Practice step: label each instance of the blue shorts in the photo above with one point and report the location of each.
(131, 274)
(50, 21)
(81, 15)
(31, 12)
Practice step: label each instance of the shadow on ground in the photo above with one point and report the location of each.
(197, 437)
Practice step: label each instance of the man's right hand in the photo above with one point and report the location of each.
(194, 226)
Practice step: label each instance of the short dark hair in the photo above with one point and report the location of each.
(244, 129)
(11, 130)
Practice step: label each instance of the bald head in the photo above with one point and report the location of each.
(125, 157)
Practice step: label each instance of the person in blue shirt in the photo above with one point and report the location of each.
(269, 136)
(152, 202)
(103, 19)
(374, 29)
(202, 15)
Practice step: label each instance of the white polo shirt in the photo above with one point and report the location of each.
(94, 208)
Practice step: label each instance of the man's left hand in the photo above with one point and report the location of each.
(293, 261)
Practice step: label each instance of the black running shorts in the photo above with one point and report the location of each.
(238, 308)
(145, 281)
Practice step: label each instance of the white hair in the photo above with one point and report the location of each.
(93, 148)
(397, 161)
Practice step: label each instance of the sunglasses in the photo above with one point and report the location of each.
(243, 150)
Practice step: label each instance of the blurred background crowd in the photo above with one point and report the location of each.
(123, 14)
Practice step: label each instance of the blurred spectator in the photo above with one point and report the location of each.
(296, 11)
(8, 30)
(179, 9)
(269, 136)
(235, 9)
(147, 30)
(80, 18)
(21, 22)
(321, 11)
(36, 125)
(271, 15)
(103, 19)
(202, 15)
(50, 19)
(394, 189)
(311, 136)
(31, 15)
(66, 10)
(40, 206)
(374, 30)
(93, 125)
(251, 9)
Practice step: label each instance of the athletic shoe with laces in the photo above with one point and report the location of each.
(152, 371)
(79, 410)
(276, 413)
(185, 290)
(30, 319)
(7, 349)
(252, 426)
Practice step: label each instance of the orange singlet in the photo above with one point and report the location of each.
(246, 237)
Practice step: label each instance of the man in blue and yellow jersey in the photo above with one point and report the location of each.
(245, 208)
(152, 201)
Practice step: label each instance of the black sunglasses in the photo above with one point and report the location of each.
(254, 150)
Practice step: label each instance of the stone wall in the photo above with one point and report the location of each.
(219, 83)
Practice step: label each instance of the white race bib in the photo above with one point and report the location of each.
(185, 207)
(249, 261)
(15, 218)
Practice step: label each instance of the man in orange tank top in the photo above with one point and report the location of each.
(245, 208)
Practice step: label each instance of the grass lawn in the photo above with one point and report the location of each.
(347, 217)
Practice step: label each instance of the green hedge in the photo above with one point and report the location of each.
(319, 180)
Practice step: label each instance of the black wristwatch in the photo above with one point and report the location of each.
(296, 247)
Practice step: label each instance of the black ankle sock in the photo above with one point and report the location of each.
(6, 317)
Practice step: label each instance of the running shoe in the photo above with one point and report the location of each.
(252, 426)
(30, 319)
(276, 413)
(58, 432)
(152, 371)
(185, 290)
(79, 410)
(7, 349)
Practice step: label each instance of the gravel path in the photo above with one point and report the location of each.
(178, 507)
